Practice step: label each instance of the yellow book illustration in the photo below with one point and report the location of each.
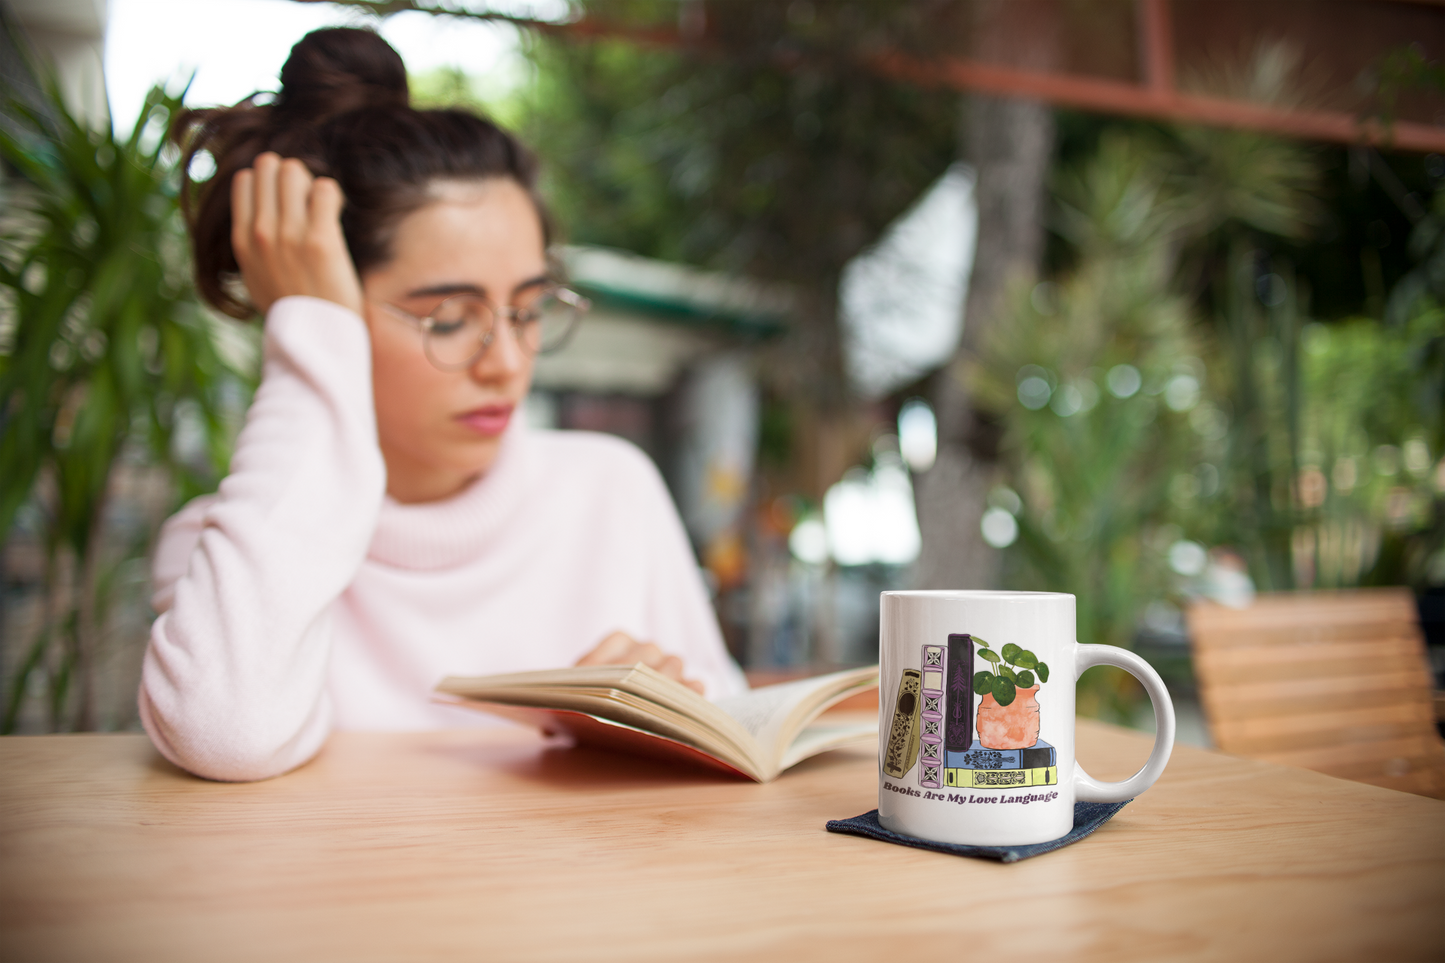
(1000, 778)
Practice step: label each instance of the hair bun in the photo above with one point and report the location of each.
(337, 70)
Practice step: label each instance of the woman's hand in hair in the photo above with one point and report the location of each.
(619, 648)
(286, 234)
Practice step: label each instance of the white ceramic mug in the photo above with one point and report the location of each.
(976, 720)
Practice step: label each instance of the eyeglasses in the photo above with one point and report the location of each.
(459, 331)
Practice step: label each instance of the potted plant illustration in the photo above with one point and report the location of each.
(1008, 715)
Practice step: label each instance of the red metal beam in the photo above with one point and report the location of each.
(1156, 42)
(1156, 99)
(1132, 100)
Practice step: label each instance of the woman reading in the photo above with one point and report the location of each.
(388, 520)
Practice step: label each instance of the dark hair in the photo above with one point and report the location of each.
(344, 109)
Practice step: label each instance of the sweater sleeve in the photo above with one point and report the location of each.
(682, 618)
(233, 685)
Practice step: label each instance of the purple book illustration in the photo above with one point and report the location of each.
(958, 727)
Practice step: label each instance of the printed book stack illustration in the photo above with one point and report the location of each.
(981, 768)
(930, 759)
(959, 729)
(935, 723)
(902, 750)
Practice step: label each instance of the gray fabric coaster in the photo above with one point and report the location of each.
(1088, 816)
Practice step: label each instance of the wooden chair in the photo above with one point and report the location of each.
(1331, 681)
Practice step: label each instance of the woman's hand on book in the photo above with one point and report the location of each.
(619, 648)
(286, 234)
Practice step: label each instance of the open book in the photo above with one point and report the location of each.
(757, 734)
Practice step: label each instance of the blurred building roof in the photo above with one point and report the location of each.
(651, 319)
(676, 292)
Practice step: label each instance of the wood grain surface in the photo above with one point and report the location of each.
(491, 845)
(1337, 681)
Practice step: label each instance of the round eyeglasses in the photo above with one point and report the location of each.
(459, 331)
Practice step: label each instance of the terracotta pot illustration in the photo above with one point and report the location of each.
(1014, 726)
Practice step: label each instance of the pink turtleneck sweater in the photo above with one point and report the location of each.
(300, 598)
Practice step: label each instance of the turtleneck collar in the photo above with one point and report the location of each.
(447, 533)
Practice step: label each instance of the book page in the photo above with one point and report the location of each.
(822, 736)
(765, 712)
(563, 687)
(603, 731)
(761, 711)
(624, 708)
(751, 731)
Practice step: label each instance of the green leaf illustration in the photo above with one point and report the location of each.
(990, 655)
(1012, 652)
(1009, 674)
(1043, 670)
(1026, 660)
(1025, 679)
(1004, 691)
(983, 682)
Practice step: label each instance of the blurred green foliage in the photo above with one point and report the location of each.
(768, 152)
(105, 358)
(1426, 278)
(1178, 264)
(1168, 385)
(1078, 371)
(1307, 425)
(1371, 484)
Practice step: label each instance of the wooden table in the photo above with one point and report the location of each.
(490, 845)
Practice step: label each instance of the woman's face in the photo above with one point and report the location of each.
(439, 430)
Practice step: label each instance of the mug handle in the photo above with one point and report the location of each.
(1086, 787)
